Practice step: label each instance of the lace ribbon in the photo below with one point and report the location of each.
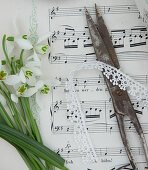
(143, 9)
(33, 28)
(116, 77)
(33, 37)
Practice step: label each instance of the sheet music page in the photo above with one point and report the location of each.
(71, 45)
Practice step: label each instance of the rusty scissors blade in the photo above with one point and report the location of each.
(121, 102)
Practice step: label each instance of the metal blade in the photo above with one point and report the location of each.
(98, 44)
(106, 37)
(120, 120)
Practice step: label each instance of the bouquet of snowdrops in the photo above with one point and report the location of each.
(19, 83)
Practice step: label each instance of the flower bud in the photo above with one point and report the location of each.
(10, 38)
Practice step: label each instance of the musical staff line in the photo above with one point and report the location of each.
(70, 32)
(99, 128)
(62, 105)
(116, 151)
(95, 81)
(73, 59)
(72, 38)
(79, 11)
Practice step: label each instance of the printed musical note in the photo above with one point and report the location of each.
(74, 39)
(116, 151)
(97, 81)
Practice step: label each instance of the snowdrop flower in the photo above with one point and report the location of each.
(23, 91)
(3, 75)
(19, 93)
(27, 77)
(38, 48)
(15, 79)
(28, 74)
(39, 87)
(34, 66)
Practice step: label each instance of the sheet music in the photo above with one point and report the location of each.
(71, 45)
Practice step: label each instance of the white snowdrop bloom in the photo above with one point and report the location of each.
(28, 74)
(15, 79)
(38, 48)
(23, 91)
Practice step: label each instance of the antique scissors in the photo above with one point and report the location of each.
(121, 102)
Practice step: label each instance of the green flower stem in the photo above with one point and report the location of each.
(21, 58)
(37, 133)
(31, 119)
(38, 136)
(30, 145)
(6, 117)
(38, 161)
(23, 115)
(39, 139)
(16, 111)
(6, 88)
(26, 159)
(13, 108)
(29, 131)
(34, 161)
(13, 112)
(5, 52)
(23, 121)
(22, 109)
(10, 123)
(50, 166)
(15, 117)
(13, 65)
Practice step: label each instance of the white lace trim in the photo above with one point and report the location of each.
(33, 28)
(145, 16)
(143, 9)
(116, 77)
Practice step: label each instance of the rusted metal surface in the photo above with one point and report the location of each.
(102, 28)
(122, 105)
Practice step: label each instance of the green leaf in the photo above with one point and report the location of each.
(30, 145)
(2, 121)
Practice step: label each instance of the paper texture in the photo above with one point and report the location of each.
(71, 45)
